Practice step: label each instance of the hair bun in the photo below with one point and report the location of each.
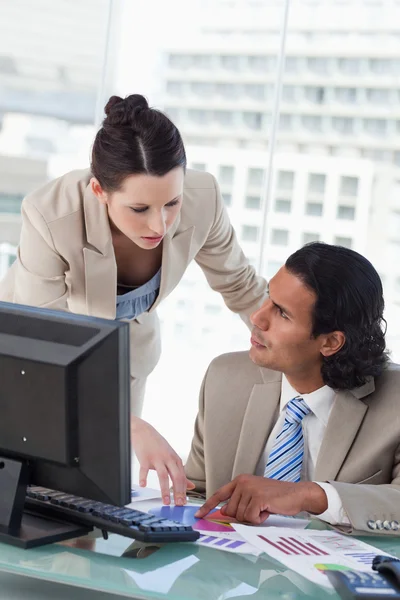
(121, 111)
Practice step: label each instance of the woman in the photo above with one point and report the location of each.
(115, 240)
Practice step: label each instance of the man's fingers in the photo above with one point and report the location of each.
(242, 507)
(190, 485)
(163, 478)
(220, 496)
(230, 509)
(143, 472)
(253, 514)
(178, 478)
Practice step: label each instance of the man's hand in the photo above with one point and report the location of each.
(251, 499)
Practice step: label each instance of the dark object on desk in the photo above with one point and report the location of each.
(64, 421)
(125, 521)
(354, 585)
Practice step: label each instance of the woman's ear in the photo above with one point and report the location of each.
(333, 342)
(98, 191)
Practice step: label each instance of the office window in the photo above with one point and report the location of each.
(285, 180)
(273, 267)
(255, 91)
(378, 96)
(201, 117)
(175, 88)
(316, 183)
(255, 177)
(262, 64)
(314, 209)
(346, 212)
(253, 202)
(348, 186)
(202, 61)
(292, 64)
(312, 123)
(227, 90)
(310, 237)
(10, 203)
(375, 126)
(223, 117)
(179, 61)
(343, 241)
(346, 95)
(285, 122)
(319, 66)
(253, 120)
(316, 95)
(279, 237)
(380, 66)
(198, 166)
(343, 125)
(282, 205)
(231, 63)
(202, 89)
(350, 66)
(226, 174)
(250, 233)
(212, 309)
(227, 198)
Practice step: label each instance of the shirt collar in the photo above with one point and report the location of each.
(320, 401)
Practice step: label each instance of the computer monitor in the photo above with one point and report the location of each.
(64, 413)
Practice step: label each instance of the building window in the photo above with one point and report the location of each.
(179, 61)
(285, 180)
(348, 186)
(253, 202)
(256, 177)
(310, 237)
(346, 95)
(226, 174)
(203, 89)
(223, 117)
(343, 125)
(262, 64)
(375, 126)
(280, 237)
(314, 209)
(10, 203)
(343, 241)
(312, 123)
(201, 117)
(175, 88)
(378, 96)
(316, 95)
(289, 93)
(282, 205)
(253, 120)
(198, 166)
(231, 63)
(320, 66)
(292, 64)
(285, 122)
(349, 66)
(212, 309)
(346, 212)
(250, 233)
(272, 268)
(255, 91)
(201, 61)
(316, 183)
(227, 198)
(380, 66)
(227, 90)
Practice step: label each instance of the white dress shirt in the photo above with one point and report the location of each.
(314, 425)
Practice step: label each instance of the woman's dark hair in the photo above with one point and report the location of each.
(349, 299)
(134, 139)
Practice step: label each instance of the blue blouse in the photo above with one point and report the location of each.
(137, 301)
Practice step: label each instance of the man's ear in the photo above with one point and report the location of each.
(332, 343)
(98, 191)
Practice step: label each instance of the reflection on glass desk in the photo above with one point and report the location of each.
(174, 571)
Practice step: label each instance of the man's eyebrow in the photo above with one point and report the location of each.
(282, 308)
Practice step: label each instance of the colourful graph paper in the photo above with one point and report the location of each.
(290, 546)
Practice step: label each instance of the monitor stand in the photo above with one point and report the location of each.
(27, 530)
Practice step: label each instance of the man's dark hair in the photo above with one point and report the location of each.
(349, 299)
(134, 139)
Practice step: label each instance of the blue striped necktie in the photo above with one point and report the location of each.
(286, 457)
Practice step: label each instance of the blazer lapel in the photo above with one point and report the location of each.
(260, 417)
(346, 417)
(99, 259)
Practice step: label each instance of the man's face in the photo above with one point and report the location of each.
(281, 337)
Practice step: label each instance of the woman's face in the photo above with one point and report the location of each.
(145, 207)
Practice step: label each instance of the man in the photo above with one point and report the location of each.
(311, 420)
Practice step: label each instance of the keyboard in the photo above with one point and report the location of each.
(128, 522)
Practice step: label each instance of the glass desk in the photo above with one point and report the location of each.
(123, 567)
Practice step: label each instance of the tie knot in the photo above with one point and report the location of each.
(296, 410)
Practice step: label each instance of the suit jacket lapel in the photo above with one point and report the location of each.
(99, 258)
(260, 417)
(346, 417)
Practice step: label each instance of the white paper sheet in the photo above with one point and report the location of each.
(311, 552)
(161, 580)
